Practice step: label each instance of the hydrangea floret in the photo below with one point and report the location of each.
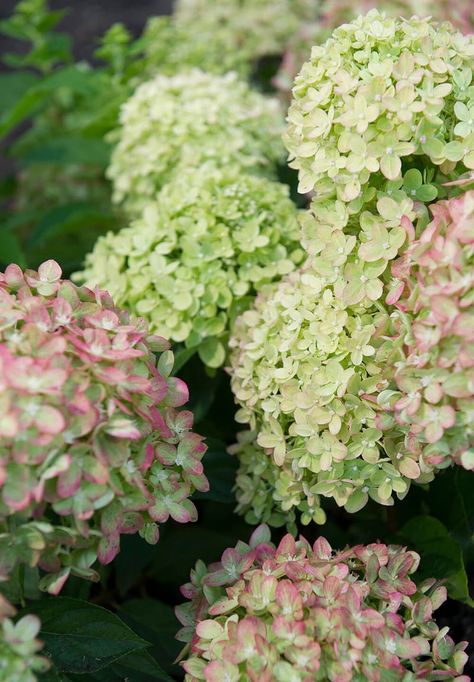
(304, 371)
(382, 98)
(92, 444)
(198, 254)
(298, 612)
(430, 398)
(187, 120)
(19, 646)
(239, 32)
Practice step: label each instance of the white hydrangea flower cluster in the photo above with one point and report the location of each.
(185, 121)
(242, 31)
(304, 374)
(198, 254)
(381, 97)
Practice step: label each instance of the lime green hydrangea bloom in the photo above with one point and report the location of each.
(304, 373)
(334, 13)
(19, 660)
(382, 116)
(238, 32)
(197, 255)
(185, 121)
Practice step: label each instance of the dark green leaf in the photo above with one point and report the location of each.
(13, 86)
(10, 249)
(441, 555)
(220, 469)
(156, 622)
(136, 667)
(82, 637)
(69, 150)
(67, 218)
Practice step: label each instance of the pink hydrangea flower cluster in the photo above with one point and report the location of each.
(429, 403)
(297, 612)
(92, 444)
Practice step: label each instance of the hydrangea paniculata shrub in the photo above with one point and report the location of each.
(382, 116)
(298, 612)
(237, 32)
(19, 659)
(185, 121)
(430, 399)
(92, 444)
(198, 254)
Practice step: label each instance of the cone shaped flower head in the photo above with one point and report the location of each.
(238, 33)
(298, 612)
(92, 444)
(303, 370)
(382, 115)
(198, 254)
(430, 397)
(187, 120)
(334, 13)
(19, 659)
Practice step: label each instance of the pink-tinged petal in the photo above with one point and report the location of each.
(407, 648)
(108, 548)
(287, 547)
(433, 432)
(159, 511)
(322, 549)
(183, 512)
(49, 271)
(53, 584)
(9, 426)
(220, 671)
(123, 428)
(166, 453)
(409, 468)
(50, 420)
(209, 629)
(14, 276)
(178, 393)
(69, 481)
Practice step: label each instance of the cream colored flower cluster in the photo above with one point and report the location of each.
(188, 120)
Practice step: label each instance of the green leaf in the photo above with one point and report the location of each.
(212, 352)
(156, 622)
(441, 555)
(10, 249)
(221, 470)
(136, 667)
(427, 193)
(72, 149)
(81, 637)
(68, 218)
(13, 86)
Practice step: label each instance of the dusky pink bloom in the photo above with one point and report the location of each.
(345, 615)
(89, 427)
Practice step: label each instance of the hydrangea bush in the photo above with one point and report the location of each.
(185, 121)
(381, 117)
(198, 254)
(91, 442)
(430, 398)
(237, 33)
(19, 659)
(299, 612)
